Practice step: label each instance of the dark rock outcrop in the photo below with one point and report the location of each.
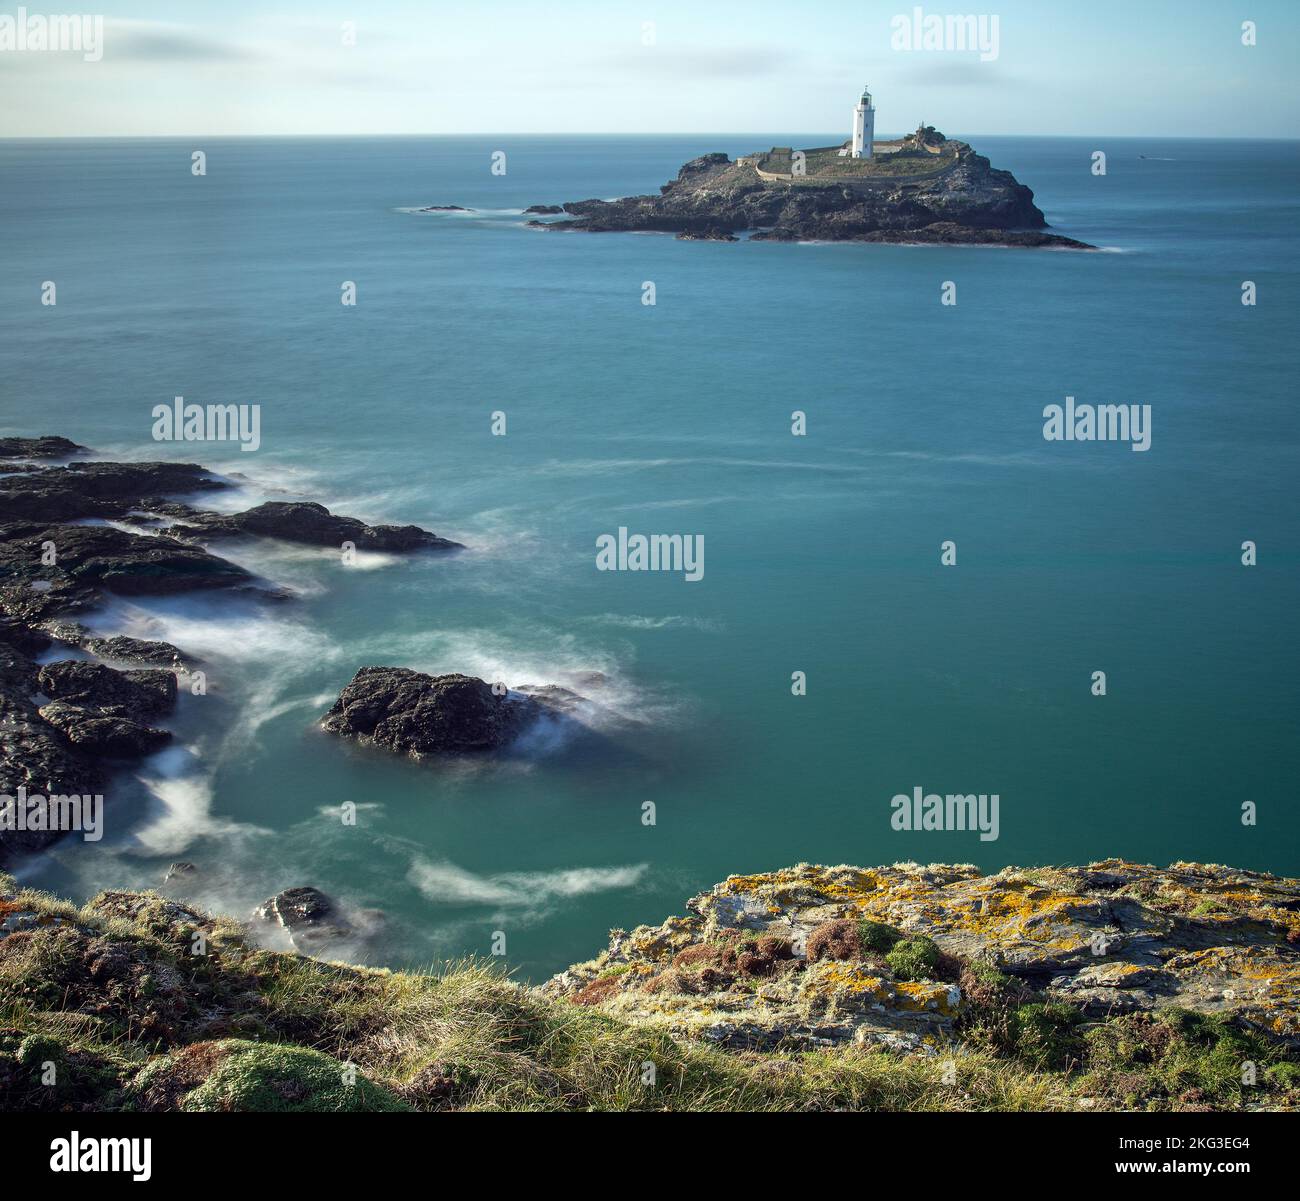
(60, 723)
(962, 199)
(38, 448)
(105, 712)
(419, 715)
(103, 732)
(82, 490)
(34, 755)
(707, 235)
(300, 521)
(23, 638)
(146, 693)
(90, 559)
(121, 649)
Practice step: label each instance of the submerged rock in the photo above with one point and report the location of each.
(311, 919)
(419, 715)
(816, 955)
(137, 650)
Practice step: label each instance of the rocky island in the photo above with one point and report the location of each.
(924, 188)
(1115, 986)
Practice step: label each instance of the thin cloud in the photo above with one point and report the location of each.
(950, 74)
(158, 42)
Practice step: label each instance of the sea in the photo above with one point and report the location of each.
(828, 660)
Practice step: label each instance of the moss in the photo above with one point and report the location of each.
(989, 1003)
(247, 1077)
(876, 937)
(1284, 1075)
(914, 959)
(38, 1049)
(84, 1076)
(1047, 1035)
(1177, 1059)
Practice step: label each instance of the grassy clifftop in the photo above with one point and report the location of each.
(137, 1002)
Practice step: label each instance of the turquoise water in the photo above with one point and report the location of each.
(822, 552)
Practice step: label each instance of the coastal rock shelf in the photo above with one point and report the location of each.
(1111, 986)
(900, 955)
(930, 191)
(64, 724)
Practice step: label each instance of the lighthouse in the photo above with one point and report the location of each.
(864, 127)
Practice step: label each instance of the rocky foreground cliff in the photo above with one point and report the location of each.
(1114, 986)
(951, 195)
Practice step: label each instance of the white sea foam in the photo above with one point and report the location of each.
(446, 883)
(633, 621)
(177, 782)
(586, 467)
(218, 627)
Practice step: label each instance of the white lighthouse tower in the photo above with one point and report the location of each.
(864, 127)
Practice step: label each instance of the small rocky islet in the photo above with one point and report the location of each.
(922, 189)
(419, 715)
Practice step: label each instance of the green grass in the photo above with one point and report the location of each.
(130, 1018)
(825, 165)
(913, 959)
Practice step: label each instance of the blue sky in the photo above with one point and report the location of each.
(1139, 67)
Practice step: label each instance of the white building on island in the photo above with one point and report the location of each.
(864, 127)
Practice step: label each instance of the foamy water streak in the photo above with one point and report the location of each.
(530, 892)
(182, 787)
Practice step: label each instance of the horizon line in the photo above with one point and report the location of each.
(109, 137)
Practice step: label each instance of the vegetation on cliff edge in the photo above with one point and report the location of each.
(136, 1002)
